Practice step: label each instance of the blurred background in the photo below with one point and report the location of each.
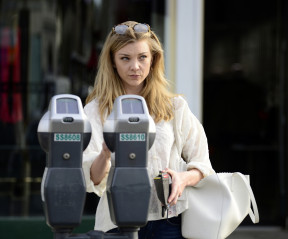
(50, 47)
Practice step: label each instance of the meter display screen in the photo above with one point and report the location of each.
(67, 106)
(132, 106)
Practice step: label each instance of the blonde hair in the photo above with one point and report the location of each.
(108, 85)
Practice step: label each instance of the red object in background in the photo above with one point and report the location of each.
(10, 95)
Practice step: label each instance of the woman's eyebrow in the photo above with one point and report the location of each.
(127, 54)
(144, 52)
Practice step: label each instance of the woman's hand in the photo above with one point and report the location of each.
(180, 180)
(101, 165)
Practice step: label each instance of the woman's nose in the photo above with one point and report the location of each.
(134, 65)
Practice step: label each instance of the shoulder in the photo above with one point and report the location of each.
(92, 107)
(182, 111)
(92, 103)
(92, 112)
(179, 103)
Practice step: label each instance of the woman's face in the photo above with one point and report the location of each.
(133, 63)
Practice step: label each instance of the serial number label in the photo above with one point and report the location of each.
(67, 137)
(132, 137)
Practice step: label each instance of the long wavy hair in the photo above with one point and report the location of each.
(108, 85)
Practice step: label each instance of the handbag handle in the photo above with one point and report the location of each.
(254, 215)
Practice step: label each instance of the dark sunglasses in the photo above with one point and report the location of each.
(139, 27)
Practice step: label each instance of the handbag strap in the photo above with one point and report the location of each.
(254, 214)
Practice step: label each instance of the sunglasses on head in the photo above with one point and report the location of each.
(139, 28)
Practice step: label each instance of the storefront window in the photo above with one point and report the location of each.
(48, 48)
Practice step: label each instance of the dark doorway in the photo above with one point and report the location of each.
(244, 97)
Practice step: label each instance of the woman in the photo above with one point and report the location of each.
(132, 62)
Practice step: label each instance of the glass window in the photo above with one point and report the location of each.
(48, 48)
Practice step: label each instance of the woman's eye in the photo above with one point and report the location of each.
(124, 58)
(143, 57)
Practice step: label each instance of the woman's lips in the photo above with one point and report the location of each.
(134, 76)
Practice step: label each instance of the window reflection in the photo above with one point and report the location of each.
(48, 47)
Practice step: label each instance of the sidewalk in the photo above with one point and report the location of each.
(259, 233)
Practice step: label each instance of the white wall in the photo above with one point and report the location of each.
(184, 49)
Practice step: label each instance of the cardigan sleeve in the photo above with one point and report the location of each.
(191, 139)
(94, 148)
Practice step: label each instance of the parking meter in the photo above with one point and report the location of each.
(64, 132)
(129, 132)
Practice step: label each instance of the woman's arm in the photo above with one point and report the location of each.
(101, 165)
(96, 157)
(192, 147)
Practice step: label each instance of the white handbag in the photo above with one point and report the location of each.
(217, 205)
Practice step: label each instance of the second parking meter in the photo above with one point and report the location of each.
(129, 132)
(64, 132)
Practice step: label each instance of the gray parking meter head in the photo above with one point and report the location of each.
(129, 124)
(65, 116)
(64, 132)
